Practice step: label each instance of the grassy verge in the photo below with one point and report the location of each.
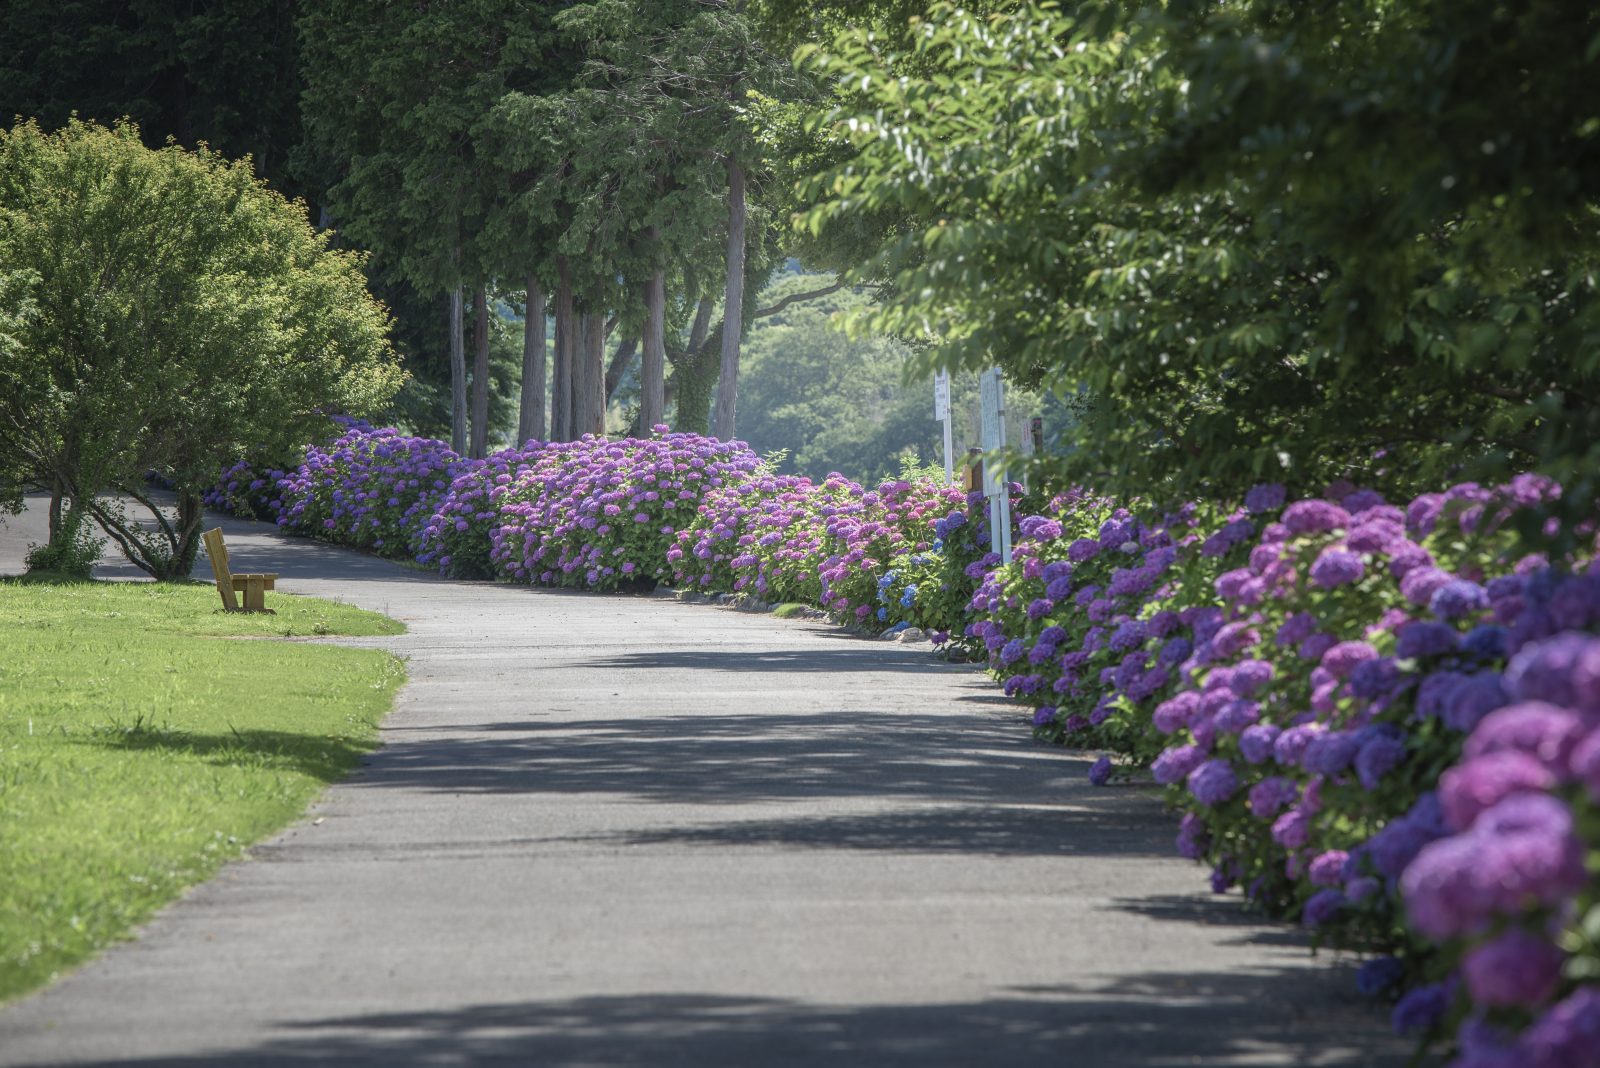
(140, 749)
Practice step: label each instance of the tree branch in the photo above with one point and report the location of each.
(795, 298)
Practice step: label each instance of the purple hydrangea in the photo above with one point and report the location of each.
(1256, 741)
(1315, 517)
(1544, 731)
(1480, 783)
(1564, 670)
(1176, 763)
(1421, 1009)
(1039, 528)
(1249, 676)
(1420, 584)
(1567, 1036)
(1330, 753)
(1290, 746)
(1082, 550)
(1231, 639)
(1100, 772)
(1236, 715)
(1486, 641)
(1175, 712)
(1523, 851)
(1377, 758)
(1266, 497)
(1327, 868)
(1472, 699)
(1269, 796)
(1175, 650)
(1292, 829)
(1515, 968)
(1341, 659)
(1193, 838)
(1373, 679)
(1322, 906)
(1457, 599)
(1585, 764)
(1379, 975)
(1213, 782)
(1423, 638)
(1337, 567)
(1397, 844)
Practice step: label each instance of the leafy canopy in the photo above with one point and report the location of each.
(1117, 203)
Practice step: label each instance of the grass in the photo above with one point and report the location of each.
(140, 749)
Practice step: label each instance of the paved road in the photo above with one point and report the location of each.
(626, 831)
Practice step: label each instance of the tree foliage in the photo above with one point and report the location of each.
(175, 315)
(226, 73)
(1221, 222)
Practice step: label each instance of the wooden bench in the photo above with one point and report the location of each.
(254, 587)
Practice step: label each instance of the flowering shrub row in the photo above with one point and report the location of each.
(1381, 721)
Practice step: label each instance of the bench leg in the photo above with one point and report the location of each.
(254, 595)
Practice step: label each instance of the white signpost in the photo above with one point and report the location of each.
(992, 400)
(941, 411)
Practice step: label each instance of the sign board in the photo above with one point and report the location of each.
(941, 411)
(992, 411)
(992, 405)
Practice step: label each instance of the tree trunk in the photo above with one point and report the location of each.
(733, 306)
(618, 365)
(57, 491)
(530, 423)
(458, 375)
(701, 325)
(191, 510)
(566, 335)
(592, 406)
(694, 376)
(652, 369)
(480, 373)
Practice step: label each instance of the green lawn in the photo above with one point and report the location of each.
(140, 748)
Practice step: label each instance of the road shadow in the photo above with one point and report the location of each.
(328, 759)
(706, 759)
(969, 830)
(1149, 1021)
(866, 656)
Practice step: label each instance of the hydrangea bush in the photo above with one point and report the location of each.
(764, 536)
(861, 540)
(459, 536)
(601, 514)
(930, 588)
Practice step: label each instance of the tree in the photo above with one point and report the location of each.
(1072, 212)
(183, 315)
(398, 103)
(225, 73)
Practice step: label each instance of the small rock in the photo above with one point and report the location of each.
(912, 634)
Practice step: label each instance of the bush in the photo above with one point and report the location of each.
(600, 514)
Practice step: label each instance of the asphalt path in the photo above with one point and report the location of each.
(610, 830)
